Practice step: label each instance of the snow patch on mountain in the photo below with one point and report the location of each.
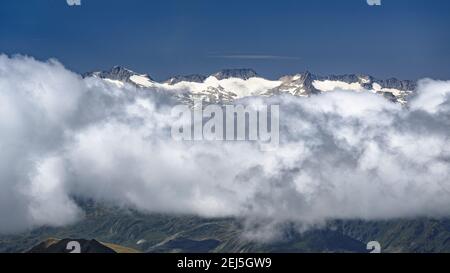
(328, 85)
(142, 80)
(116, 83)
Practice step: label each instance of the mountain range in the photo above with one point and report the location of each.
(231, 84)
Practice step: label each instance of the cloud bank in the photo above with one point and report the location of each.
(343, 155)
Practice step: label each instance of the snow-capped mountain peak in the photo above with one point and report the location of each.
(124, 75)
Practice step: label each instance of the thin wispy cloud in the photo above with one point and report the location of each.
(254, 57)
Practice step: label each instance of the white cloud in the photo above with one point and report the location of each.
(343, 155)
(254, 57)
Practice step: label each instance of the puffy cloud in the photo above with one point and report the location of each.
(342, 155)
(37, 102)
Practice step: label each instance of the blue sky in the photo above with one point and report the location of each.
(402, 38)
